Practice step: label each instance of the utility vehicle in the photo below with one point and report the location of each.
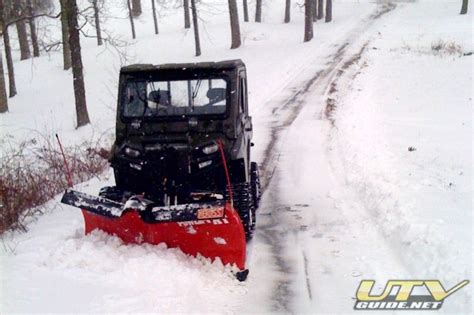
(181, 160)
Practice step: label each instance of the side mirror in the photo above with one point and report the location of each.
(248, 124)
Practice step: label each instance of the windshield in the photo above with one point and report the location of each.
(175, 98)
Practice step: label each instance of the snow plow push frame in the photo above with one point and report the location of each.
(181, 162)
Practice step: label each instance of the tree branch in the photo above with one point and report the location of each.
(27, 17)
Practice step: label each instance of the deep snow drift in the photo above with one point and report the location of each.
(345, 200)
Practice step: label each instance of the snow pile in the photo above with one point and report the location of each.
(108, 276)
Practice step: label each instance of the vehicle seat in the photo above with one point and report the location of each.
(216, 95)
(160, 97)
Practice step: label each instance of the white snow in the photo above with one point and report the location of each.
(220, 241)
(347, 200)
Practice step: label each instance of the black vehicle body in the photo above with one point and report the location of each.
(170, 153)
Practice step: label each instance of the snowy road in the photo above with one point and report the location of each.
(309, 227)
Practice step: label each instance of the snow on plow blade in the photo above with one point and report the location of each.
(212, 229)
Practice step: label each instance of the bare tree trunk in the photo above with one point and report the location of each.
(308, 20)
(31, 22)
(21, 29)
(187, 21)
(314, 9)
(136, 7)
(11, 69)
(246, 11)
(8, 50)
(464, 7)
(196, 28)
(234, 24)
(328, 11)
(78, 77)
(65, 36)
(97, 23)
(287, 11)
(3, 89)
(23, 40)
(320, 9)
(258, 11)
(155, 20)
(130, 16)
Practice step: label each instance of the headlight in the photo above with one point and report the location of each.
(132, 152)
(210, 149)
(138, 167)
(204, 164)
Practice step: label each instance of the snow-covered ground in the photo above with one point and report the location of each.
(404, 132)
(345, 199)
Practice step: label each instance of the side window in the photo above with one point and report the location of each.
(243, 94)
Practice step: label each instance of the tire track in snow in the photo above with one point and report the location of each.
(306, 273)
(295, 102)
(271, 232)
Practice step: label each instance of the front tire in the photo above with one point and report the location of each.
(244, 205)
(255, 183)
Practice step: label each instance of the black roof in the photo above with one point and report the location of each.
(220, 65)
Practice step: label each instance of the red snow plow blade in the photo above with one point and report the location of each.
(213, 230)
(215, 238)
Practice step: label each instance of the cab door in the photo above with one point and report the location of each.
(245, 119)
